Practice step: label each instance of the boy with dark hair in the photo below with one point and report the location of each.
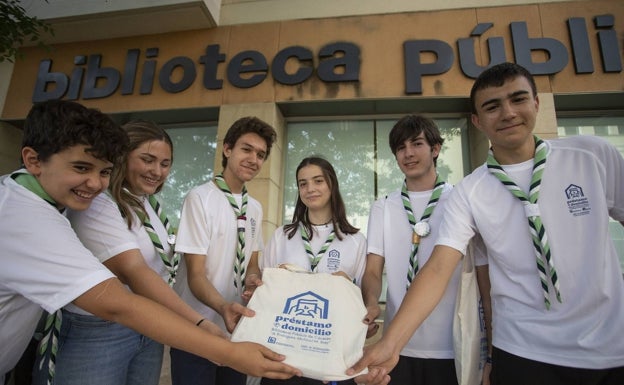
(220, 232)
(542, 209)
(402, 229)
(68, 154)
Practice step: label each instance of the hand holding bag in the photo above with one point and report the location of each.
(315, 320)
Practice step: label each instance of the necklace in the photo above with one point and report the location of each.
(321, 224)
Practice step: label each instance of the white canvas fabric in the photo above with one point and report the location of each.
(469, 336)
(315, 320)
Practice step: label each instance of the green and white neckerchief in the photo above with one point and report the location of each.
(52, 326)
(420, 228)
(171, 263)
(315, 258)
(531, 209)
(241, 218)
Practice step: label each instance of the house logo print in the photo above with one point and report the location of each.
(574, 192)
(307, 304)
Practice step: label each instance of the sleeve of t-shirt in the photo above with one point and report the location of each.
(375, 234)
(102, 229)
(361, 258)
(457, 228)
(49, 264)
(194, 232)
(479, 252)
(269, 255)
(615, 182)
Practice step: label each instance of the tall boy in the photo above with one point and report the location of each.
(220, 231)
(402, 230)
(68, 152)
(542, 208)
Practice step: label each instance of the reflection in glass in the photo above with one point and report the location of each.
(364, 164)
(194, 150)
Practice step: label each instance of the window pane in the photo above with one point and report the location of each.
(450, 165)
(348, 146)
(364, 164)
(194, 150)
(610, 128)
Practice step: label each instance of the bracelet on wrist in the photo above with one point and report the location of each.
(488, 360)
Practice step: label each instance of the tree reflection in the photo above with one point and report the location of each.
(194, 151)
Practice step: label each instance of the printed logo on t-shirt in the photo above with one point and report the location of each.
(252, 222)
(578, 204)
(333, 260)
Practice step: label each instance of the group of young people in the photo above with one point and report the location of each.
(81, 220)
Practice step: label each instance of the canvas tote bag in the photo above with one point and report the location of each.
(469, 338)
(315, 320)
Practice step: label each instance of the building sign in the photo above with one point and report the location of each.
(337, 62)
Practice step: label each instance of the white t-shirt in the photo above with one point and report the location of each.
(583, 183)
(390, 236)
(208, 226)
(102, 229)
(348, 255)
(44, 265)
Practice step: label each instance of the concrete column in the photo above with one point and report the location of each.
(546, 124)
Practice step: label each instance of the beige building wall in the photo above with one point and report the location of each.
(378, 27)
(255, 11)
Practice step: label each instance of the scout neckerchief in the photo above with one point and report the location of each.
(52, 326)
(420, 228)
(531, 209)
(315, 258)
(170, 263)
(239, 262)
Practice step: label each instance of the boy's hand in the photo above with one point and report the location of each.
(252, 281)
(258, 361)
(372, 312)
(380, 358)
(231, 313)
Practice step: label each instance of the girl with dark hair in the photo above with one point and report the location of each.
(320, 239)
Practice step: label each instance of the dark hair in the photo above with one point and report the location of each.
(339, 213)
(409, 127)
(139, 132)
(244, 126)
(496, 76)
(55, 125)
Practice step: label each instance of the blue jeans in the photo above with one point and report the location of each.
(98, 352)
(189, 369)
